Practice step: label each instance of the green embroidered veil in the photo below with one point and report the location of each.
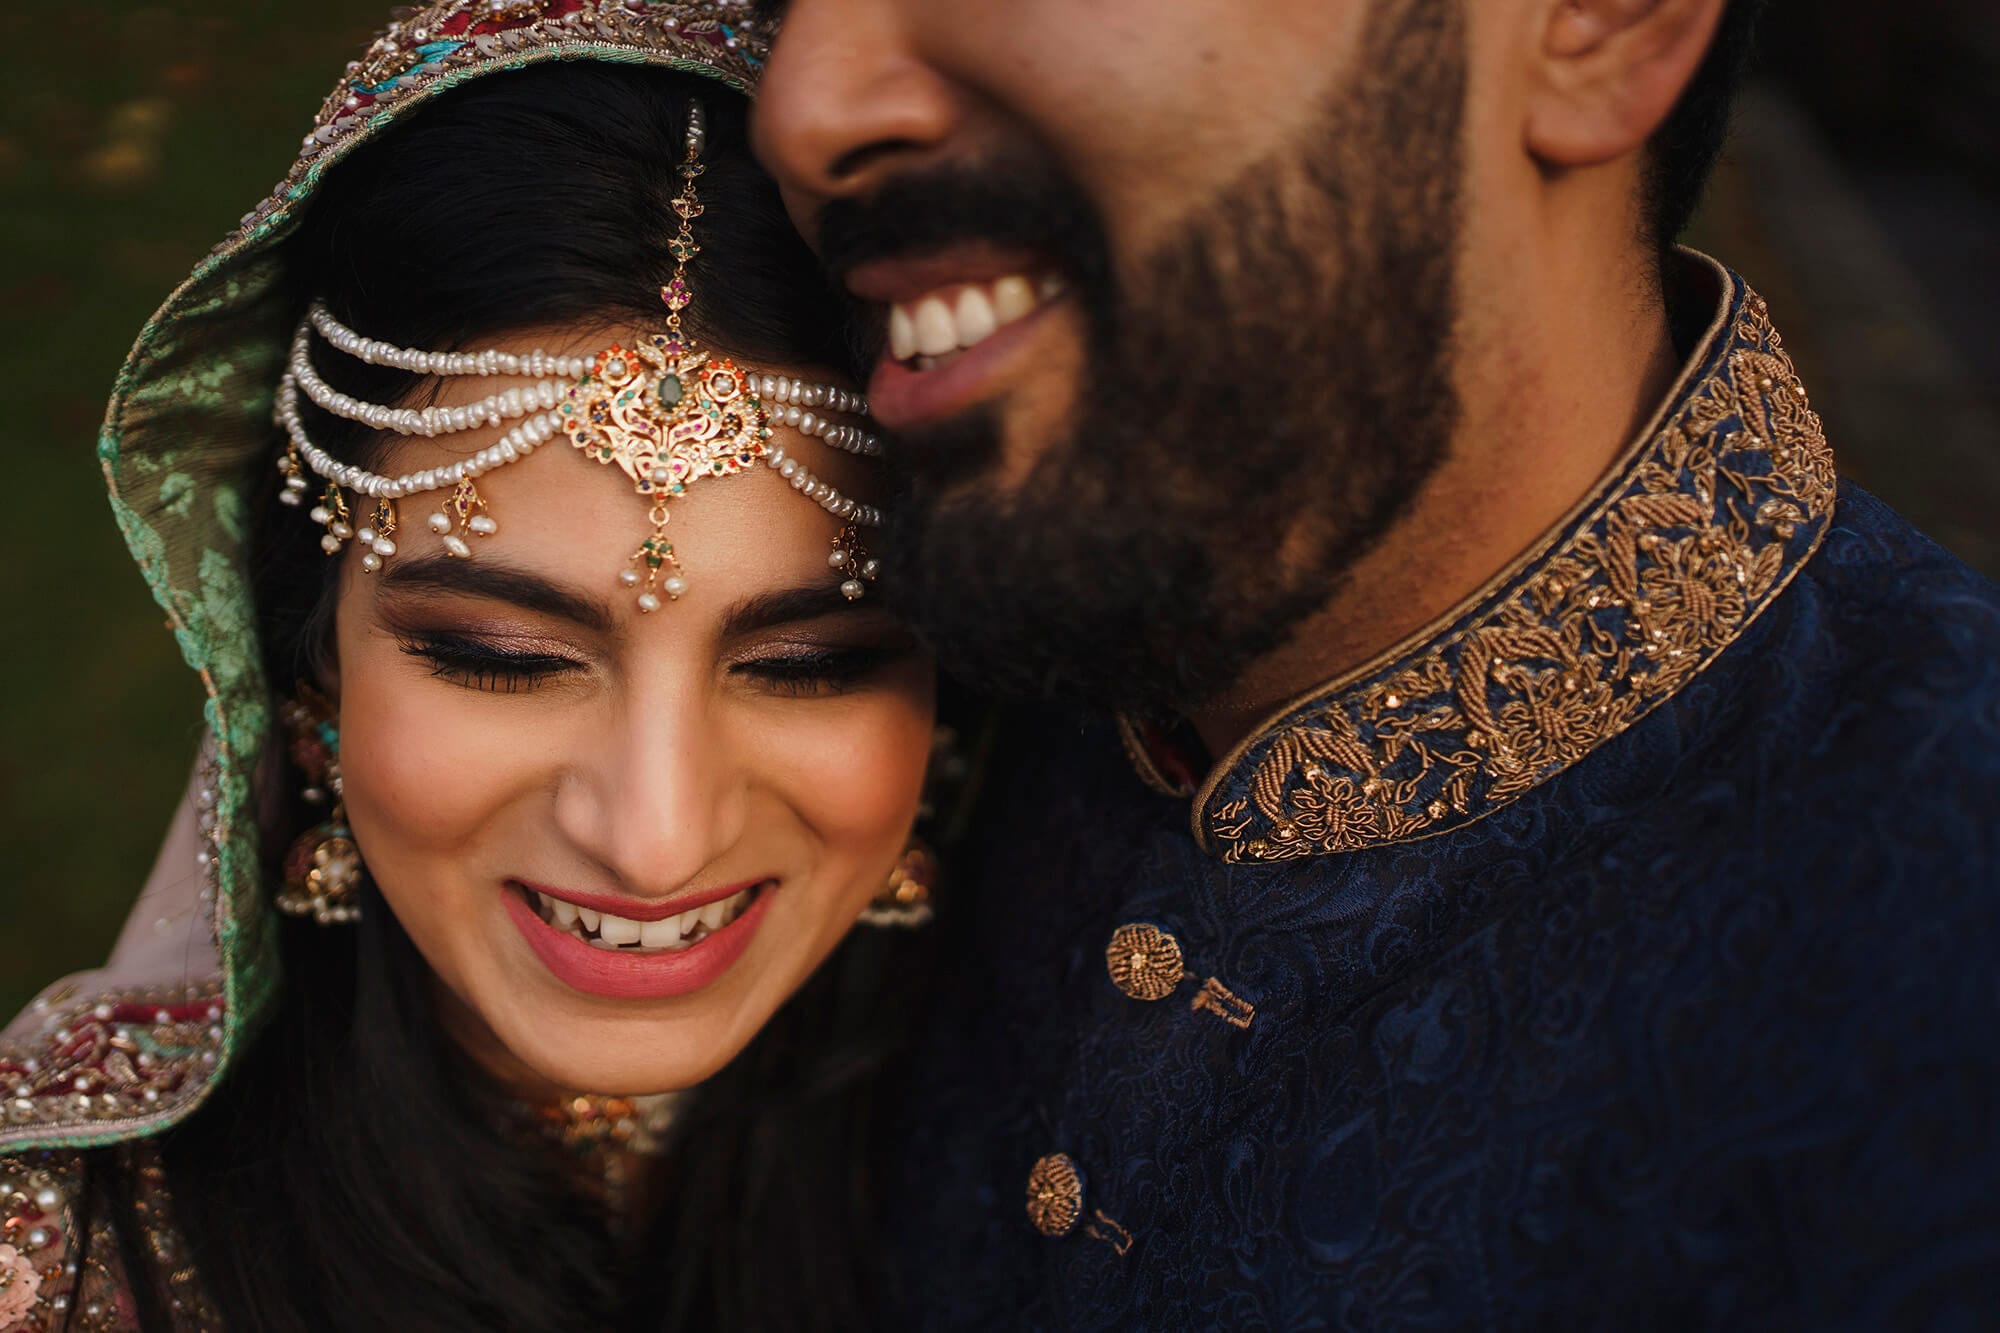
(133, 1047)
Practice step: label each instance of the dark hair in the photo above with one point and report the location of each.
(352, 1173)
(1684, 151)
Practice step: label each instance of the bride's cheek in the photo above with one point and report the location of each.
(857, 780)
(427, 772)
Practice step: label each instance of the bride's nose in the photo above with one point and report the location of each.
(658, 794)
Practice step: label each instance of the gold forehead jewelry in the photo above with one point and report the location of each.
(666, 412)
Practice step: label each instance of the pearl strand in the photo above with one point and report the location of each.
(377, 353)
(516, 444)
(428, 422)
(826, 497)
(788, 402)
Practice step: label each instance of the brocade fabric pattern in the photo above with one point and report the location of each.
(1696, 1033)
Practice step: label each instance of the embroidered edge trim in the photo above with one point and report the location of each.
(1623, 604)
(114, 1064)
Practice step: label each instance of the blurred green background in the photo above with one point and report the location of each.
(132, 137)
(1860, 196)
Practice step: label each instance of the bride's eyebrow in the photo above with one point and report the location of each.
(501, 582)
(785, 607)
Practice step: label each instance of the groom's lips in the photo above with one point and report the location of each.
(958, 326)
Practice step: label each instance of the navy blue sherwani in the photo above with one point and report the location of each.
(1619, 952)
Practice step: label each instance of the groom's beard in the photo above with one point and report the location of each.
(1263, 398)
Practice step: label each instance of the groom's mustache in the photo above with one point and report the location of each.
(1012, 206)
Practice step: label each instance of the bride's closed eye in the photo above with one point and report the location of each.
(823, 668)
(482, 665)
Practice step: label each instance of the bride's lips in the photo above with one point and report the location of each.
(620, 975)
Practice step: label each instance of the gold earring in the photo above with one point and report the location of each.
(323, 868)
(905, 901)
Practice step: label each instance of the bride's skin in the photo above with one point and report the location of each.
(761, 729)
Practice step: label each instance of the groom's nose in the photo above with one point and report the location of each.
(848, 100)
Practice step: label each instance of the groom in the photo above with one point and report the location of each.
(1533, 859)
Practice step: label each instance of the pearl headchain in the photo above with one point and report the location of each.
(665, 412)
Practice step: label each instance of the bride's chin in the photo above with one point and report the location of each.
(627, 1059)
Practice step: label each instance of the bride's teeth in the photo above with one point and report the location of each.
(604, 931)
(975, 319)
(902, 334)
(1052, 286)
(937, 332)
(1013, 298)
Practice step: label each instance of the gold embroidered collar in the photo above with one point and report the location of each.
(1703, 523)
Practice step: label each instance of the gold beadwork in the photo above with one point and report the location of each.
(1712, 514)
(1055, 1195)
(906, 899)
(1144, 961)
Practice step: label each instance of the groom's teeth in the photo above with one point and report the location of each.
(954, 319)
(605, 931)
(937, 331)
(1013, 298)
(902, 334)
(976, 321)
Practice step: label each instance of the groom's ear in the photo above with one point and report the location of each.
(1605, 74)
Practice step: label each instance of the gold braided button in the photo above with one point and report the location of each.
(1055, 1195)
(1144, 962)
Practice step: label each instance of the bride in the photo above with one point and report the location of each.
(504, 485)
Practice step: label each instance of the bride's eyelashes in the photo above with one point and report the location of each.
(795, 670)
(825, 669)
(486, 666)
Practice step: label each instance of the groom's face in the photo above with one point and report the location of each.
(1162, 290)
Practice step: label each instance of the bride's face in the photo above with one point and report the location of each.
(530, 761)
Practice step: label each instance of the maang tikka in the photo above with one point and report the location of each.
(666, 412)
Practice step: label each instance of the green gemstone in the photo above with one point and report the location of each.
(671, 389)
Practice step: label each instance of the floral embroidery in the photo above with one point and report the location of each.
(18, 1284)
(1705, 524)
(115, 1058)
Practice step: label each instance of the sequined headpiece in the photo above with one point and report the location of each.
(666, 412)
